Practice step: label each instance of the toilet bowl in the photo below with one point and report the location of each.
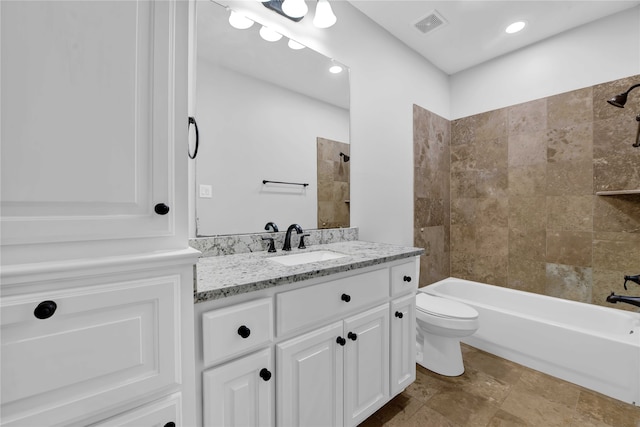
(440, 323)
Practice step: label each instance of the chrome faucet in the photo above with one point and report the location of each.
(287, 237)
(613, 298)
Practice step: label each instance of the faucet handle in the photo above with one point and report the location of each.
(272, 246)
(301, 244)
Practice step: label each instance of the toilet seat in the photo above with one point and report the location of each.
(443, 307)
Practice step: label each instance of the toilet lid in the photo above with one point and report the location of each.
(444, 307)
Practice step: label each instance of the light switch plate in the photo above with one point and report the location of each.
(206, 191)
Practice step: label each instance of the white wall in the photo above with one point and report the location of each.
(252, 130)
(387, 78)
(598, 52)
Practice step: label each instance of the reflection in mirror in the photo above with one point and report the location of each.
(266, 112)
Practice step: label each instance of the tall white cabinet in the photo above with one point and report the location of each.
(97, 276)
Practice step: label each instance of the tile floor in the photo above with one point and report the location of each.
(498, 393)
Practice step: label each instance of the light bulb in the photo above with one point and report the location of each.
(269, 35)
(295, 8)
(335, 69)
(295, 45)
(515, 27)
(324, 17)
(239, 21)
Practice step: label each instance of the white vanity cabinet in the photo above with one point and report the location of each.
(241, 392)
(97, 276)
(93, 122)
(344, 345)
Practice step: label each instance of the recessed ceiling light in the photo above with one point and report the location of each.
(515, 27)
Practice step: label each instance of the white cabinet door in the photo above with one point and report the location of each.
(93, 113)
(366, 368)
(240, 393)
(96, 348)
(310, 379)
(403, 343)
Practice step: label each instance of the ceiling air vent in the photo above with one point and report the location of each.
(431, 22)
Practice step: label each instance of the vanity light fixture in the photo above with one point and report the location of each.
(239, 21)
(295, 8)
(515, 27)
(269, 35)
(295, 45)
(324, 17)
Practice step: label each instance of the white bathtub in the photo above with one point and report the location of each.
(592, 346)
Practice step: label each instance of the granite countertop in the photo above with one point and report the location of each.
(222, 276)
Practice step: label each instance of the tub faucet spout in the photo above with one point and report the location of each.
(614, 299)
(635, 279)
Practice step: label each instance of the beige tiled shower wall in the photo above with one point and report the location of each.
(524, 209)
(431, 143)
(333, 184)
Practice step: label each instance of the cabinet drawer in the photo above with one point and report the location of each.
(404, 278)
(103, 346)
(157, 414)
(230, 331)
(308, 306)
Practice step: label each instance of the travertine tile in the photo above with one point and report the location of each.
(528, 180)
(492, 183)
(536, 410)
(617, 213)
(528, 244)
(567, 109)
(463, 131)
(608, 410)
(491, 154)
(491, 124)
(527, 149)
(572, 143)
(570, 213)
(526, 275)
(569, 247)
(492, 211)
(492, 240)
(463, 239)
(606, 91)
(490, 268)
(528, 213)
(569, 282)
(548, 387)
(528, 117)
(607, 281)
(569, 178)
(462, 408)
(616, 251)
(463, 211)
(463, 184)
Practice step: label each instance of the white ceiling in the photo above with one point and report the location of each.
(474, 29)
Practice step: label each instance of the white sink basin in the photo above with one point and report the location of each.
(306, 257)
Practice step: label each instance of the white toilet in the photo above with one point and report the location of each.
(440, 323)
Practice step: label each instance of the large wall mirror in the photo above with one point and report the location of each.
(267, 112)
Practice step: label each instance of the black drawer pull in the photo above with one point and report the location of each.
(161, 209)
(407, 278)
(345, 298)
(352, 336)
(265, 374)
(341, 341)
(45, 309)
(399, 315)
(244, 332)
(170, 424)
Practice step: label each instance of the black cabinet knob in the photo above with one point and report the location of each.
(341, 341)
(352, 336)
(399, 315)
(265, 374)
(161, 209)
(45, 309)
(244, 332)
(170, 424)
(345, 298)
(407, 278)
